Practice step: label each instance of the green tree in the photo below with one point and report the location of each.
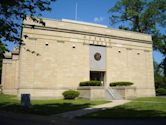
(145, 16)
(160, 80)
(2, 49)
(12, 13)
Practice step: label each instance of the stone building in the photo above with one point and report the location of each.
(58, 56)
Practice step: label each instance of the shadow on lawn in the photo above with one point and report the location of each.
(43, 109)
(126, 113)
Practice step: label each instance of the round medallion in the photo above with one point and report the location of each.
(97, 56)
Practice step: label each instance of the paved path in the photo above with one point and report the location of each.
(81, 112)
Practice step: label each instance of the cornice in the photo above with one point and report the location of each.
(84, 33)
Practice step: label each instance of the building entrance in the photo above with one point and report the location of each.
(97, 75)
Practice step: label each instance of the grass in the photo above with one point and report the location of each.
(153, 107)
(10, 103)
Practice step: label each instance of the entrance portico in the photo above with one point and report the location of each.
(97, 63)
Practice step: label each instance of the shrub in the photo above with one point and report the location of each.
(161, 91)
(70, 94)
(121, 84)
(90, 83)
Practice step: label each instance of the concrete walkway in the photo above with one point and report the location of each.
(81, 112)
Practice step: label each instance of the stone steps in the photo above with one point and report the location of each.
(112, 94)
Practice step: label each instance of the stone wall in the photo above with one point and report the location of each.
(127, 92)
(59, 64)
(10, 76)
(131, 63)
(92, 93)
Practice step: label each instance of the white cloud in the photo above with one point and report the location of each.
(98, 19)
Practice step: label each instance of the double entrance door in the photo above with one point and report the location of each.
(97, 75)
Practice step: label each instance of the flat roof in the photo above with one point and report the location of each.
(85, 23)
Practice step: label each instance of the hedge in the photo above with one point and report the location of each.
(70, 94)
(90, 83)
(121, 83)
(161, 91)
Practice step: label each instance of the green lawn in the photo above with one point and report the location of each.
(153, 107)
(10, 103)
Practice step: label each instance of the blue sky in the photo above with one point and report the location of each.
(94, 11)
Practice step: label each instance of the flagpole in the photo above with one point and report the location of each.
(76, 12)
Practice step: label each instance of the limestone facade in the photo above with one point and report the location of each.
(55, 58)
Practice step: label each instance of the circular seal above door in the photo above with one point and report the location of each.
(97, 56)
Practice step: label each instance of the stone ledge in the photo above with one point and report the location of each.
(122, 87)
(90, 87)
